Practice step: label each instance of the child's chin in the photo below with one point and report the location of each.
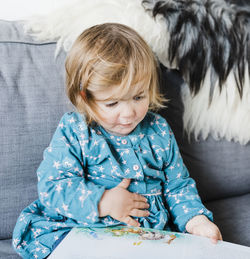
(123, 131)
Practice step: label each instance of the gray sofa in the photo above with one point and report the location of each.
(32, 100)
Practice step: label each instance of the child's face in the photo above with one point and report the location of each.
(120, 116)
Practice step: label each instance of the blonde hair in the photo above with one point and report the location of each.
(109, 55)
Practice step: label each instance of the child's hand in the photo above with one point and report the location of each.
(202, 226)
(121, 204)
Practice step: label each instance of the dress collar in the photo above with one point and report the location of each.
(129, 140)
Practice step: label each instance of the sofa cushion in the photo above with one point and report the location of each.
(6, 251)
(232, 216)
(32, 100)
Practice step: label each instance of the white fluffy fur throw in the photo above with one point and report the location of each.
(68, 22)
(207, 40)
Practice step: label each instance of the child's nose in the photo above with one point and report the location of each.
(128, 111)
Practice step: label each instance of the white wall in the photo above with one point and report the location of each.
(21, 9)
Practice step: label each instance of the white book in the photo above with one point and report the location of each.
(134, 243)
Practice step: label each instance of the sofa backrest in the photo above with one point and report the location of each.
(32, 100)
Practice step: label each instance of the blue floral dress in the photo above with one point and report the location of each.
(82, 161)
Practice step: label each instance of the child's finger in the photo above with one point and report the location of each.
(124, 183)
(214, 240)
(139, 213)
(216, 236)
(141, 205)
(131, 222)
(138, 197)
(220, 236)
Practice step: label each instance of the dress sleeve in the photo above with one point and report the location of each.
(62, 186)
(180, 190)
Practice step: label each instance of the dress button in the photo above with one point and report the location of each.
(135, 167)
(124, 141)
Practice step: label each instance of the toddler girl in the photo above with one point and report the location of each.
(113, 161)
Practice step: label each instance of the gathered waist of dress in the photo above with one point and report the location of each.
(151, 194)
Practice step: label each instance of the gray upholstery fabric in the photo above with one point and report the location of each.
(32, 100)
(232, 215)
(6, 251)
(220, 168)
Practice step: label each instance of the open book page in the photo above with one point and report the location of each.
(126, 242)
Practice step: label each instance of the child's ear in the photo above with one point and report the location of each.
(83, 95)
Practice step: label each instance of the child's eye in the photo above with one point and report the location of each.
(111, 104)
(139, 97)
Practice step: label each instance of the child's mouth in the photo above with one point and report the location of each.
(127, 125)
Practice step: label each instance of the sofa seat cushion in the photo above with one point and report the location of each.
(232, 217)
(6, 250)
